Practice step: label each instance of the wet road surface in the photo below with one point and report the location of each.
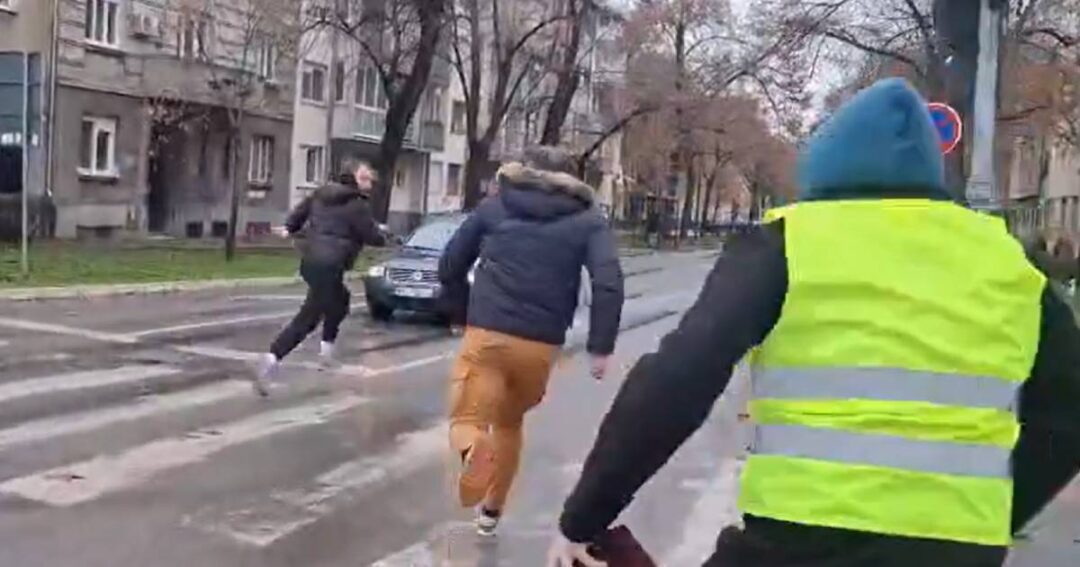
(130, 437)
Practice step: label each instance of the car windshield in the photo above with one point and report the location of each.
(433, 237)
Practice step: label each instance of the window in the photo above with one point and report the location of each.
(433, 109)
(313, 83)
(191, 41)
(261, 166)
(266, 60)
(369, 89)
(339, 81)
(97, 147)
(457, 121)
(453, 179)
(313, 164)
(101, 21)
(226, 159)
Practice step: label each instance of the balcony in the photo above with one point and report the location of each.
(369, 124)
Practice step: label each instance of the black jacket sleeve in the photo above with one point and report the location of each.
(668, 395)
(298, 217)
(605, 273)
(463, 249)
(1047, 455)
(365, 230)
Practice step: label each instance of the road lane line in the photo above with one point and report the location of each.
(225, 353)
(26, 325)
(214, 323)
(82, 380)
(106, 474)
(91, 420)
(410, 365)
(286, 512)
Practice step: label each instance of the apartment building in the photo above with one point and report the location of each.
(141, 106)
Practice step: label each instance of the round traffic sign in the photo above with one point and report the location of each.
(949, 125)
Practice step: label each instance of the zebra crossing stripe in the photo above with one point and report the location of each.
(82, 380)
(88, 480)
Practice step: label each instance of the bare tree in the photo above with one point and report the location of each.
(239, 44)
(400, 40)
(495, 47)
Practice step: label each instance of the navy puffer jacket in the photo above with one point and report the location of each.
(532, 241)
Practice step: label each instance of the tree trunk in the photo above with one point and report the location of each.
(479, 155)
(568, 78)
(234, 196)
(403, 105)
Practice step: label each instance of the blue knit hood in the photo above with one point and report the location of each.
(881, 143)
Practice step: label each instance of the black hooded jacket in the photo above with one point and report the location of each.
(532, 240)
(335, 223)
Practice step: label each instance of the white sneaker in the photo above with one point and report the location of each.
(265, 373)
(326, 355)
(486, 522)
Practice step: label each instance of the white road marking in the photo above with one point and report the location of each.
(213, 323)
(89, 480)
(83, 422)
(82, 380)
(25, 325)
(269, 297)
(715, 509)
(285, 512)
(3, 343)
(225, 353)
(409, 365)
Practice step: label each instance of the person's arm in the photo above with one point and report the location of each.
(365, 230)
(463, 249)
(668, 395)
(605, 273)
(1047, 455)
(298, 217)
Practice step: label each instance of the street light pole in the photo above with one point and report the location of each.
(982, 184)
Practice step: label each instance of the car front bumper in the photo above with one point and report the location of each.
(381, 291)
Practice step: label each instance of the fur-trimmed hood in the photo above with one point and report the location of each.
(535, 193)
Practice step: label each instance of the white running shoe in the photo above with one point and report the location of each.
(326, 355)
(486, 522)
(264, 374)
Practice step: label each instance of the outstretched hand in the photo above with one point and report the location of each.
(565, 553)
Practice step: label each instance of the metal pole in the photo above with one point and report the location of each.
(982, 186)
(25, 251)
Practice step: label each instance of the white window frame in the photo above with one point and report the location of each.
(266, 60)
(99, 125)
(108, 36)
(341, 74)
(314, 171)
(433, 112)
(195, 27)
(261, 160)
(461, 128)
(367, 77)
(309, 69)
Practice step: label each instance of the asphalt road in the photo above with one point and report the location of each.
(129, 437)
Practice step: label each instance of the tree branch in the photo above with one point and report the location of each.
(851, 41)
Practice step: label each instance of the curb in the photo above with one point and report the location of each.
(154, 288)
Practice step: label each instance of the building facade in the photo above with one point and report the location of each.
(151, 110)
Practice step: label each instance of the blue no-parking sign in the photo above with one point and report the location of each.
(949, 125)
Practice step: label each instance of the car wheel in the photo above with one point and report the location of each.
(380, 312)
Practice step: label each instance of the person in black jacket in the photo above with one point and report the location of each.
(668, 395)
(335, 223)
(532, 239)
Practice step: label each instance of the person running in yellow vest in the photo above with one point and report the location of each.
(902, 344)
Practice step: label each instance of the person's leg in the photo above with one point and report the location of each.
(334, 312)
(305, 321)
(476, 391)
(528, 365)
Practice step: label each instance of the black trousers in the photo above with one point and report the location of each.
(327, 302)
(769, 543)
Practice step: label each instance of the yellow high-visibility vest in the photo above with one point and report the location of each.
(885, 398)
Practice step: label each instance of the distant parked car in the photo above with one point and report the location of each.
(409, 280)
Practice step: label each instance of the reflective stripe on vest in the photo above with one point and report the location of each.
(882, 450)
(886, 394)
(886, 384)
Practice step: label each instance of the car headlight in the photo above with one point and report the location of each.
(472, 276)
(377, 271)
